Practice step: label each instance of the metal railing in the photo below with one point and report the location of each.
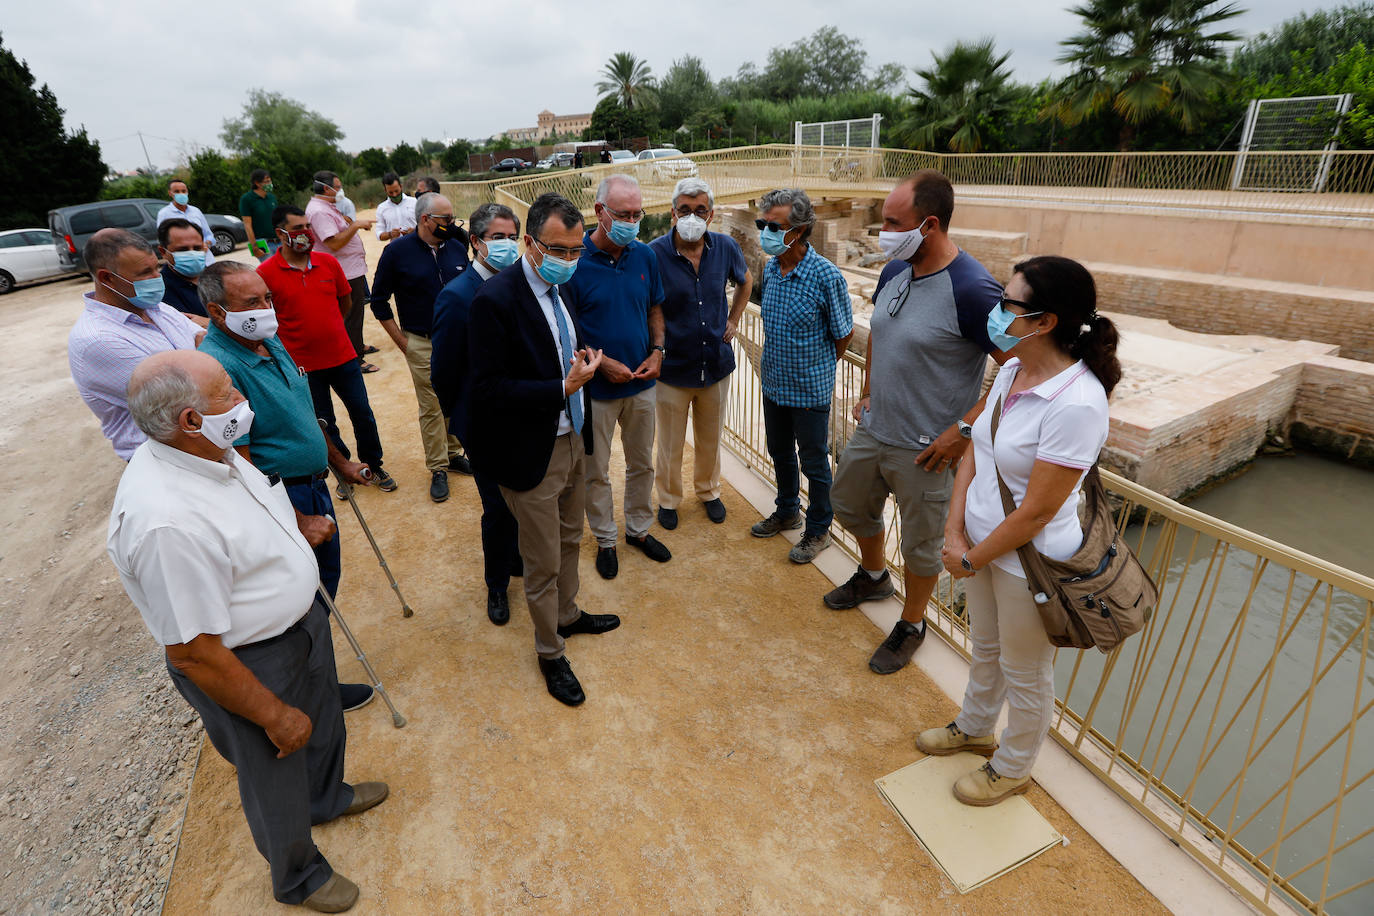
(1232, 720)
(1171, 180)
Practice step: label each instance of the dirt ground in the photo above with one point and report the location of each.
(723, 763)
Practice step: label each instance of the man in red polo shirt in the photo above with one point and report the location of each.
(311, 295)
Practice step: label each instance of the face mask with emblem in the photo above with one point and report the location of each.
(252, 324)
(223, 428)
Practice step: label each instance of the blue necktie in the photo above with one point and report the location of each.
(575, 399)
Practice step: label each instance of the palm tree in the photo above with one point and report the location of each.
(1143, 58)
(628, 79)
(966, 92)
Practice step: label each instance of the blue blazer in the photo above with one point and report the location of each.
(517, 383)
(449, 369)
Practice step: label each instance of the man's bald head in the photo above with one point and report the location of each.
(168, 384)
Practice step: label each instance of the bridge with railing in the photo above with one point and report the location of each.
(1238, 721)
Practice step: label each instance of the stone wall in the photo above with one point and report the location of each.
(1333, 412)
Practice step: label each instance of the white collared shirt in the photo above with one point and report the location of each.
(392, 216)
(1062, 421)
(208, 547)
(483, 271)
(541, 289)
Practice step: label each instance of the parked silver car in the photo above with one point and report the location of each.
(27, 255)
(665, 166)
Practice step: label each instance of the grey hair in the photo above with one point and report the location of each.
(802, 214)
(603, 190)
(481, 219)
(157, 402)
(103, 248)
(693, 187)
(210, 286)
(425, 204)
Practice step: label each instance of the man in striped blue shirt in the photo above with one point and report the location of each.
(807, 323)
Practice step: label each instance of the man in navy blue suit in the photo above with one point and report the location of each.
(529, 425)
(494, 232)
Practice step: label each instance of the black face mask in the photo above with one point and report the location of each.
(447, 232)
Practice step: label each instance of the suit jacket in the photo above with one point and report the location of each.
(449, 368)
(517, 383)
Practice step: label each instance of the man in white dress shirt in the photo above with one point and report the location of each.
(210, 554)
(181, 207)
(396, 214)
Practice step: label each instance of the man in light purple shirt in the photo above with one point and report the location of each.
(338, 235)
(123, 323)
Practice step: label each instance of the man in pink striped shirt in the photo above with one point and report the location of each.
(124, 321)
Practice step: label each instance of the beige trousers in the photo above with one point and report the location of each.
(707, 406)
(440, 444)
(635, 415)
(550, 520)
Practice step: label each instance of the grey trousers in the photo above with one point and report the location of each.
(550, 535)
(283, 798)
(635, 416)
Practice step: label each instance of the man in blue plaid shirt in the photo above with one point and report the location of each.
(807, 323)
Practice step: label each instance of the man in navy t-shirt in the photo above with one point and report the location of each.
(927, 350)
(617, 297)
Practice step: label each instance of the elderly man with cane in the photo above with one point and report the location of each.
(210, 553)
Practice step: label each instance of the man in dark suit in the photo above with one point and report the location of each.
(495, 237)
(530, 426)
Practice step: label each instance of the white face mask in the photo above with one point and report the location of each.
(254, 324)
(223, 428)
(901, 246)
(691, 228)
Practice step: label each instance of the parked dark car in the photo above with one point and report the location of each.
(72, 226)
(510, 165)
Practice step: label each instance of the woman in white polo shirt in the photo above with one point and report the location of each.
(1054, 422)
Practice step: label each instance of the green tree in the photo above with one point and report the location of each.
(431, 148)
(837, 61)
(406, 158)
(45, 165)
(786, 75)
(1352, 71)
(1322, 37)
(372, 162)
(455, 157)
(613, 121)
(966, 97)
(216, 183)
(628, 80)
(271, 120)
(1140, 58)
(684, 90)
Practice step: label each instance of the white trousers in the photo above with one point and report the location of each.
(1012, 660)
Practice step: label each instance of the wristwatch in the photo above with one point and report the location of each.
(963, 561)
(966, 429)
(659, 349)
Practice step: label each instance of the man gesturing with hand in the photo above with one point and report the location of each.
(530, 425)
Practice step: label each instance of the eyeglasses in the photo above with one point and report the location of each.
(501, 236)
(768, 224)
(567, 254)
(446, 220)
(634, 217)
(702, 212)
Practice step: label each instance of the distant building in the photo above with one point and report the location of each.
(549, 125)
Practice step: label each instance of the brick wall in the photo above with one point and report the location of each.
(1333, 412)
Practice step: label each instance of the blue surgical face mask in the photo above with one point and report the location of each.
(623, 234)
(188, 263)
(772, 241)
(147, 293)
(999, 319)
(556, 270)
(502, 253)
(181, 198)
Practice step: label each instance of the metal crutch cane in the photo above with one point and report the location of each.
(347, 489)
(396, 718)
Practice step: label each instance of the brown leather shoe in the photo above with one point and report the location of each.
(334, 896)
(367, 795)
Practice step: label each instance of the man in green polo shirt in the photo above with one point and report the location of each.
(285, 440)
(255, 207)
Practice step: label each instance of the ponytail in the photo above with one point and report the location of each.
(1096, 346)
(1065, 288)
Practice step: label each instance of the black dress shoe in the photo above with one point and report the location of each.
(438, 486)
(590, 623)
(498, 608)
(607, 563)
(461, 464)
(715, 510)
(562, 683)
(651, 548)
(667, 518)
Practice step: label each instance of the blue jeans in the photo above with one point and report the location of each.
(800, 432)
(346, 380)
(313, 499)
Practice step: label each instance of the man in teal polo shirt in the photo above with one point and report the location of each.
(285, 441)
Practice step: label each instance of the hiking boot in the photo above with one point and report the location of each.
(948, 739)
(860, 587)
(808, 547)
(985, 787)
(895, 651)
(775, 523)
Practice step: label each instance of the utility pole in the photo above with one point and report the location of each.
(151, 170)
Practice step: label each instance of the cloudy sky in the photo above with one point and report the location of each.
(386, 72)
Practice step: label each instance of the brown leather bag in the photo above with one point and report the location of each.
(1101, 594)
